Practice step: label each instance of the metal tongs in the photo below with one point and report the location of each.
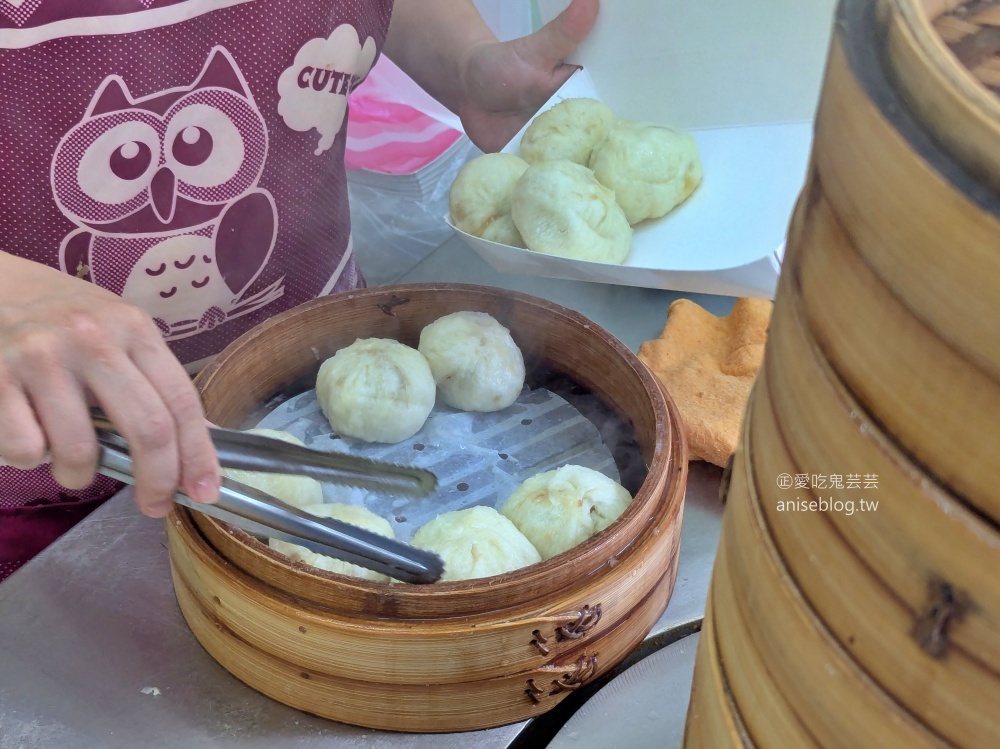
(261, 514)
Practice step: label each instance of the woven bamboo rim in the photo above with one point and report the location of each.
(902, 373)
(925, 227)
(950, 692)
(968, 29)
(452, 656)
(915, 545)
(952, 100)
(434, 651)
(427, 708)
(828, 691)
(713, 721)
(562, 338)
(769, 720)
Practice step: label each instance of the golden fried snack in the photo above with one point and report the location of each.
(708, 365)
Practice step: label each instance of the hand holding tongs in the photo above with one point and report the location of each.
(261, 514)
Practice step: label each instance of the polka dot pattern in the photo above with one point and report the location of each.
(47, 90)
(20, 12)
(37, 487)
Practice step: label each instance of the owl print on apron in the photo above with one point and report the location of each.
(194, 166)
(187, 155)
(165, 191)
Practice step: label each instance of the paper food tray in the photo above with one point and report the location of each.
(665, 62)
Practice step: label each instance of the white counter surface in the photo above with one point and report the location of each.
(94, 653)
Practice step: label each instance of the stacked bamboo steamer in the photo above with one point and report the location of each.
(457, 655)
(855, 600)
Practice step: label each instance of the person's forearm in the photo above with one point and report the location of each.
(430, 39)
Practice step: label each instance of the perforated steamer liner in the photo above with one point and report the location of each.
(452, 656)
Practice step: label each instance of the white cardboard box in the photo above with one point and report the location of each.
(744, 78)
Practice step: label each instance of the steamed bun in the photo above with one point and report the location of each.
(480, 197)
(559, 509)
(353, 514)
(561, 209)
(651, 169)
(474, 360)
(569, 130)
(476, 542)
(377, 390)
(297, 491)
(504, 231)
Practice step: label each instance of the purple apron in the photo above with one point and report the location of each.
(187, 155)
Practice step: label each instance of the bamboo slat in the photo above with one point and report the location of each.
(948, 85)
(712, 719)
(937, 404)
(928, 232)
(767, 717)
(426, 708)
(826, 688)
(923, 539)
(949, 691)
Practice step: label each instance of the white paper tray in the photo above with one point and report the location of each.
(751, 113)
(725, 239)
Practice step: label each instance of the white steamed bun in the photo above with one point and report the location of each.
(569, 130)
(651, 169)
(476, 542)
(474, 360)
(294, 490)
(377, 390)
(353, 514)
(561, 209)
(559, 509)
(480, 197)
(504, 231)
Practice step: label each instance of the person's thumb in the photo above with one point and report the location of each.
(563, 34)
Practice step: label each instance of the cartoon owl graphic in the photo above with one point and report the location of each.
(164, 190)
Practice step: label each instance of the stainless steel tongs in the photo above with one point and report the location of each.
(261, 514)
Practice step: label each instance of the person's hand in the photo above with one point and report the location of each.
(504, 83)
(66, 344)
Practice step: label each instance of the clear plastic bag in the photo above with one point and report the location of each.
(403, 152)
(397, 223)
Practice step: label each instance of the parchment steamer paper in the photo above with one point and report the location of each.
(479, 458)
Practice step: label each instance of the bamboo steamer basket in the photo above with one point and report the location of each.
(953, 695)
(451, 656)
(923, 541)
(949, 93)
(925, 225)
(427, 707)
(935, 402)
(769, 720)
(713, 720)
(823, 685)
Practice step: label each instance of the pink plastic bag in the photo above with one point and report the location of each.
(395, 127)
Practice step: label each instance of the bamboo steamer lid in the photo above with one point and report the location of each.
(953, 695)
(926, 227)
(769, 720)
(936, 403)
(947, 78)
(922, 541)
(452, 656)
(713, 720)
(824, 686)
